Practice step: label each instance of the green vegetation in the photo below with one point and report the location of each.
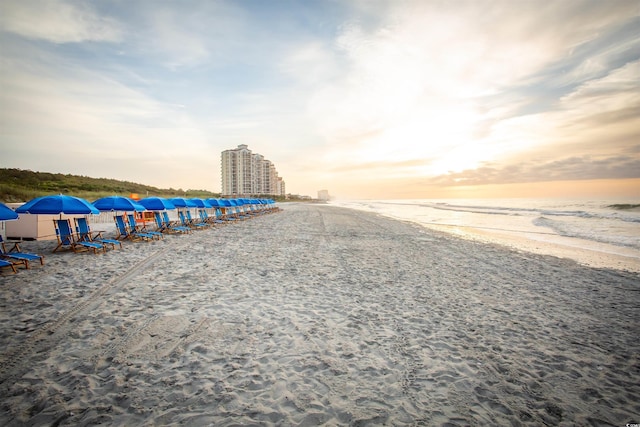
(18, 185)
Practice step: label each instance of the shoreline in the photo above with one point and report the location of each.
(586, 252)
(624, 259)
(317, 315)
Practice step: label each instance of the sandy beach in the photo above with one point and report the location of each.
(317, 315)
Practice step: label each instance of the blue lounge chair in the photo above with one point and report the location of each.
(9, 264)
(183, 220)
(133, 226)
(238, 210)
(163, 227)
(16, 254)
(221, 214)
(193, 223)
(248, 208)
(234, 213)
(124, 232)
(85, 234)
(68, 239)
(165, 217)
(204, 216)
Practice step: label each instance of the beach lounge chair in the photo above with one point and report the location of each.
(16, 254)
(133, 226)
(165, 217)
(236, 211)
(85, 234)
(221, 214)
(125, 233)
(198, 221)
(249, 208)
(164, 227)
(256, 206)
(240, 211)
(204, 216)
(69, 240)
(229, 210)
(9, 264)
(193, 223)
(183, 220)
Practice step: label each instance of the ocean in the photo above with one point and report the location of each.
(599, 233)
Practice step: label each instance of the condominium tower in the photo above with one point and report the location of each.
(245, 173)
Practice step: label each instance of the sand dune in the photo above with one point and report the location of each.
(318, 316)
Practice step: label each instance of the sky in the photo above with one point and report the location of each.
(366, 99)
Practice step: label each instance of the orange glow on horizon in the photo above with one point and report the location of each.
(620, 188)
(628, 188)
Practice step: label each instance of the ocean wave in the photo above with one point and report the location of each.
(595, 230)
(488, 210)
(578, 214)
(588, 221)
(521, 211)
(624, 206)
(623, 212)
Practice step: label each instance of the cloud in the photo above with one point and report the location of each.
(57, 21)
(565, 169)
(382, 168)
(310, 63)
(187, 35)
(356, 94)
(73, 120)
(428, 57)
(177, 44)
(466, 92)
(616, 90)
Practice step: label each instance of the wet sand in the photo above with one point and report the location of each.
(317, 315)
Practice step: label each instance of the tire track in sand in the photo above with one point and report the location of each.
(13, 362)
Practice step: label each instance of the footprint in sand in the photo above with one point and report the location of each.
(158, 338)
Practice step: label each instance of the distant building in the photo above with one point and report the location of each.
(323, 195)
(280, 186)
(245, 174)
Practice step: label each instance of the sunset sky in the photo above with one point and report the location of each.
(367, 99)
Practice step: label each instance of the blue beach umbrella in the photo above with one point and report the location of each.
(200, 203)
(214, 204)
(6, 213)
(220, 203)
(156, 203)
(118, 203)
(180, 202)
(58, 204)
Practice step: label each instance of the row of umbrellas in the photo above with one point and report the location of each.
(59, 204)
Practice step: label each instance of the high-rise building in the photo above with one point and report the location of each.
(245, 173)
(258, 167)
(236, 171)
(280, 186)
